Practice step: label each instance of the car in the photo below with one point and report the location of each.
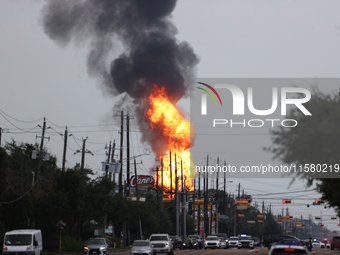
(199, 239)
(224, 236)
(96, 245)
(328, 245)
(161, 243)
(141, 247)
(289, 247)
(318, 244)
(233, 241)
(223, 243)
(257, 241)
(177, 242)
(335, 243)
(212, 242)
(194, 244)
(290, 237)
(245, 241)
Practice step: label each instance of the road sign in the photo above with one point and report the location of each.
(190, 196)
(199, 200)
(242, 206)
(250, 221)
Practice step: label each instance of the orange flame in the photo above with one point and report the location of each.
(176, 132)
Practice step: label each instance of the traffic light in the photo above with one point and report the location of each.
(317, 218)
(307, 205)
(334, 218)
(240, 215)
(319, 202)
(286, 201)
(320, 225)
(244, 201)
(259, 216)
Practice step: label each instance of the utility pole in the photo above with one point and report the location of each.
(224, 183)
(83, 155)
(0, 136)
(162, 179)
(136, 176)
(177, 207)
(198, 204)
(216, 211)
(112, 160)
(128, 152)
(238, 198)
(206, 220)
(184, 210)
(41, 152)
(176, 186)
(121, 153)
(171, 177)
(157, 189)
(108, 161)
(65, 147)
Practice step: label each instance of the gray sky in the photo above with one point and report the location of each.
(232, 38)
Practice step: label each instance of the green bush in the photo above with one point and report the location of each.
(69, 243)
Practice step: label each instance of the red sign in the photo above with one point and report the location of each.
(142, 181)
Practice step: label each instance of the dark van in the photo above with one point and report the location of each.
(335, 243)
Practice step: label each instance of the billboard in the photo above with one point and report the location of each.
(144, 181)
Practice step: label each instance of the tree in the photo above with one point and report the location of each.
(315, 140)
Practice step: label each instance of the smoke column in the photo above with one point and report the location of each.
(152, 54)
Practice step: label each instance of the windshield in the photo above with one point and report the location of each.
(158, 238)
(95, 241)
(141, 243)
(233, 238)
(246, 238)
(212, 238)
(18, 239)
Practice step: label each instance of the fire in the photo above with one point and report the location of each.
(176, 131)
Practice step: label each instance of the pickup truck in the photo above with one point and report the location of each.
(161, 244)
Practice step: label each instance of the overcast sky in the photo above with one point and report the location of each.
(232, 39)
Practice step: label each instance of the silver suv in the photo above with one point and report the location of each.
(161, 243)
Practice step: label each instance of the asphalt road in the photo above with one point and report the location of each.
(231, 251)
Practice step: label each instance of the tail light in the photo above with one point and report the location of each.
(289, 249)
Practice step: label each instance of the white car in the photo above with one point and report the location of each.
(233, 241)
(286, 246)
(212, 242)
(245, 241)
(318, 244)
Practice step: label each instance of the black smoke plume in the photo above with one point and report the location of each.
(152, 54)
